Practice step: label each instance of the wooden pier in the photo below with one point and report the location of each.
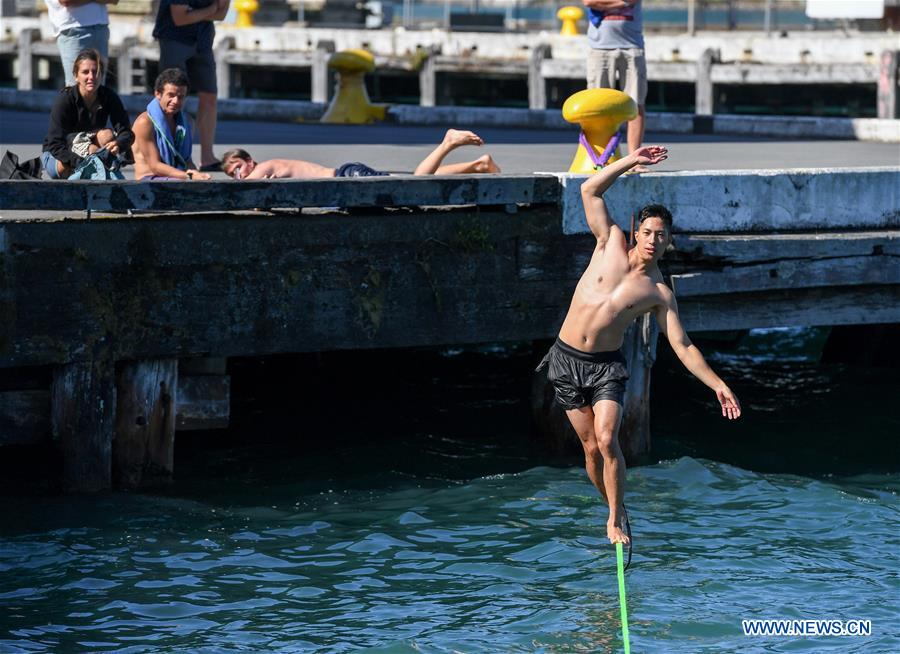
(118, 317)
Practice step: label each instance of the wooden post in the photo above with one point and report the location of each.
(27, 36)
(704, 101)
(145, 421)
(319, 74)
(887, 84)
(223, 67)
(639, 349)
(83, 405)
(537, 86)
(428, 82)
(126, 66)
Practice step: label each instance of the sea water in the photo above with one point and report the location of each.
(454, 537)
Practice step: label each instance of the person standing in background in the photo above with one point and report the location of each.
(80, 25)
(185, 31)
(616, 58)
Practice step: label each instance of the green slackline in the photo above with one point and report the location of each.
(620, 564)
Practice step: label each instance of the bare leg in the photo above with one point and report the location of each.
(608, 416)
(101, 139)
(453, 139)
(206, 126)
(483, 164)
(583, 422)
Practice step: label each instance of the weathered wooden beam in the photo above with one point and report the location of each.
(793, 273)
(83, 405)
(563, 259)
(731, 249)
(143, 449)
(395, 191)
(24, 417)
(204, 402)
(862, 305)
(756, 73)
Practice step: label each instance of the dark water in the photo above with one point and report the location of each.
(432, 526)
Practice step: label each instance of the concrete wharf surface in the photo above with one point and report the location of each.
(400, 148)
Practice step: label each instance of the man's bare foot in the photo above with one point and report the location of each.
(455, 138)
(485, 164)
(616, 535)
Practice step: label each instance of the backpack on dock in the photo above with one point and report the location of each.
(10, 168)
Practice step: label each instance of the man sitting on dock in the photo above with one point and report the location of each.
(163, 133)
(239, 164)
(585, 365)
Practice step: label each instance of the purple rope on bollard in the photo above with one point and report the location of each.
(608, 151)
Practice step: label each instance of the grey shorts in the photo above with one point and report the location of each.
(199, 65)
(622, 69)
(582, 379)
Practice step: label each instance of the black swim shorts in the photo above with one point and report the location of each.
(582, 379)
(356, 169)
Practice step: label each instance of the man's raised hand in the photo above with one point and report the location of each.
(651, 154)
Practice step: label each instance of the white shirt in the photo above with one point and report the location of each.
(64, 18)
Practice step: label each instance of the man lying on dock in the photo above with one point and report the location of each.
(239, 164)
(585, 365)
(163, 133)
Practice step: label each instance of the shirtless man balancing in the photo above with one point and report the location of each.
(585, 366)
(239, 164)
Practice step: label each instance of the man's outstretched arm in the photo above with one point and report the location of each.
(595, 186)
(692, 358)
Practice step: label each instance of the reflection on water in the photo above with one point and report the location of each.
(417, 520)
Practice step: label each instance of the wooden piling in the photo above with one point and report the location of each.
(27, 37)
(83, 400)
(143, 451)
(704, 100)
(639, 349)
(887, 84)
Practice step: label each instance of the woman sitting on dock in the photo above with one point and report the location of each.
(239, 164)
(79, 119)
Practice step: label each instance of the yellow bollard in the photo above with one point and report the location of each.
(570, 17)
(245, 10)
(351, 103)
(599, 112)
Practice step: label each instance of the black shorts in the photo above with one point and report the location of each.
(356, 169)
(582, 379)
